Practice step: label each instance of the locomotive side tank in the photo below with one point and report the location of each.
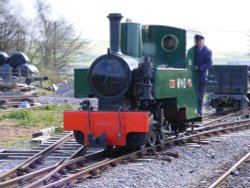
(145, 86)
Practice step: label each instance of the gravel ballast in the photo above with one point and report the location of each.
(8, 165)
(58, 100)
(194, 165)
(240, 179)
(64, 95)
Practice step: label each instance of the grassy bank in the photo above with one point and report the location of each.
(17, 126)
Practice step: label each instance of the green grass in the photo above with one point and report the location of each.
(17, 126)
(47, 116)
(43, 91)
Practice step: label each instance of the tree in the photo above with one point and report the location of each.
(12, 32)
(51, 43)
(59, 44)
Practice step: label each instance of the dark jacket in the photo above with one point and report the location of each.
(203, 58)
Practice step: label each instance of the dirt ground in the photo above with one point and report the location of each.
(13, 136)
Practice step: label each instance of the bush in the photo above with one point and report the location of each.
(54, 77)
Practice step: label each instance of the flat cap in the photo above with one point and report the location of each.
(199, 37)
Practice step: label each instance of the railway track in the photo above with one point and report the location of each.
(215, 118)
(71, 171)
(224, 176)
(227, 116)
(57, 147)
(56, 150)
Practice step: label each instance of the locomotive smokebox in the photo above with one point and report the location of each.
(115, 27)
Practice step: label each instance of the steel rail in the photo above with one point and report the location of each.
(94, 168)
(218, 119)
(39, 173)
(222, 178)
(25, 164)
(45, 176)
(230, 114)
(221, 125)
(62, 166)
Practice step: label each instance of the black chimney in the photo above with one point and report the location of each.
(115, 19)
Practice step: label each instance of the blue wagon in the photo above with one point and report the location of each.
(228, 87)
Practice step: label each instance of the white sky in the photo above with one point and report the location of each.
(223, 22)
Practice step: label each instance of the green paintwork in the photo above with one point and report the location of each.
(190, 66)
(181, 64)
(183, 88)
(82, 89)
(131, 43)
(138, 41)
(153, 47)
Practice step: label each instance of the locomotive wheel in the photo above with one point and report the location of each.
(152, 139)
(152, 136)
(161, 136)
(79, 137)
(136, 140)
(178, 127)
(141, 147)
